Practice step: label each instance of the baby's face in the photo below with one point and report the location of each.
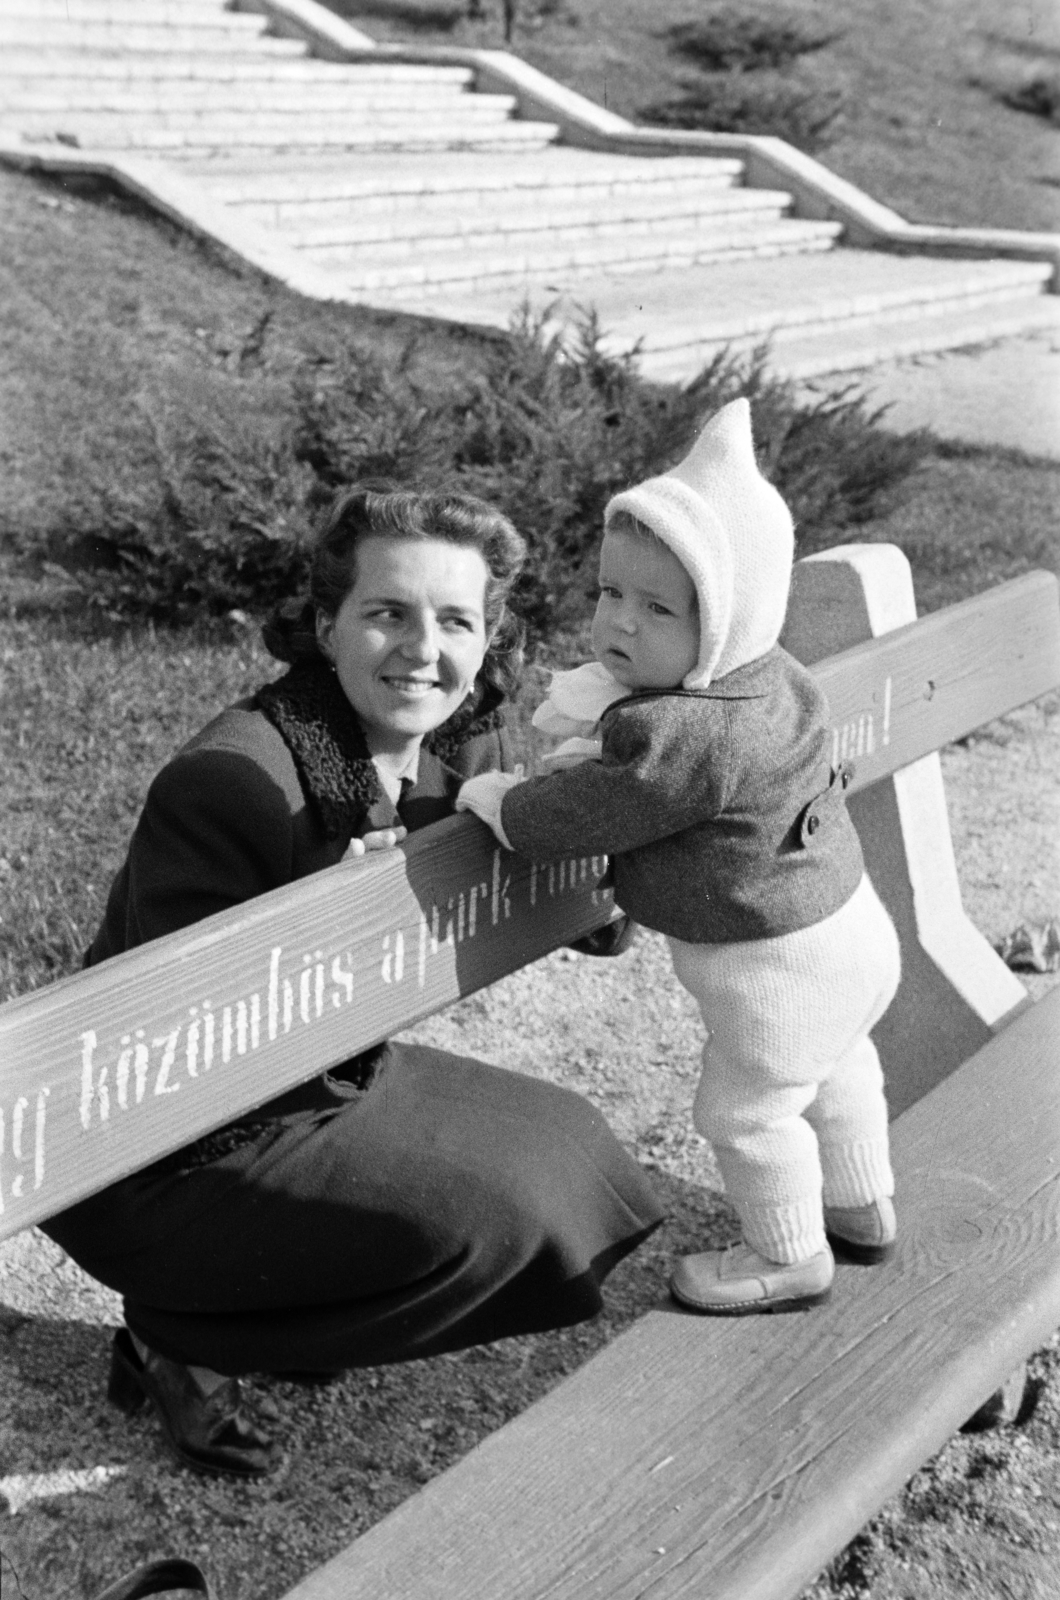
(646, 626)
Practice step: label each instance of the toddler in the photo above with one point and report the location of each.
(697, 757)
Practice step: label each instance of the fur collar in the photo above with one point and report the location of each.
(320, 728)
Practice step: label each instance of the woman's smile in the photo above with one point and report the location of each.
(413, 686)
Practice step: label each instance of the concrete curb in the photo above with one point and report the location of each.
(769, 163)
(331, 37)
(184, 203)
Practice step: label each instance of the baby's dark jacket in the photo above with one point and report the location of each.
(718, 805)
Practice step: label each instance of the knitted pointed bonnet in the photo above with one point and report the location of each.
(732, 533)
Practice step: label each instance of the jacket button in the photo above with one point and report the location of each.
(812, 824)
(846, 780)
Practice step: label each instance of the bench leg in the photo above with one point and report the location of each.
(955, 990)
(1003, 1406)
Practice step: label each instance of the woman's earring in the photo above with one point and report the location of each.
(324, 644)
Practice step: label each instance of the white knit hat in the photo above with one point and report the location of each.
(732, 533)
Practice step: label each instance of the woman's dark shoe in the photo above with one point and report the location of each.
(209, 1433)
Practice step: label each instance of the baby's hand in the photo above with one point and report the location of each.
(380, 839)
(484, 796)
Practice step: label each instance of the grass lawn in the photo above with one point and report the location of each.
(920, 130)
(114, 330)
(118, 333)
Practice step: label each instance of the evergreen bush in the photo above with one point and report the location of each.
(730, 38)
(547, 427)
(744, 84)
(419, 15)
(760, 103)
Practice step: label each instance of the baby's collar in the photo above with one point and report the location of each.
(584, 693)
(742, 683)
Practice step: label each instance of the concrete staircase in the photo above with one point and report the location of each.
(407, 189)
(184, 79)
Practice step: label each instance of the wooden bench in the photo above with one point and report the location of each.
(693, 1456)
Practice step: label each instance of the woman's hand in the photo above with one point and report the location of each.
(380, 839)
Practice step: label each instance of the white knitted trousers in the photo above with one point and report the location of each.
(791, 1096)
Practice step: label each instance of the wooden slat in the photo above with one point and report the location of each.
(105, 1071)
(907, 693)
(730, 1459)
(143, 1017)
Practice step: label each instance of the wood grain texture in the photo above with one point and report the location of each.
(898, 697)
(106, 1071)
(730, 1459)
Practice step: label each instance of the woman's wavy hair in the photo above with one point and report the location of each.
(379, 511)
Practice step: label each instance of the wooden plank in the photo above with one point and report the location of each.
(909, 692)
(718, 1459)
(955, 990)
(107, 1070)
(110, 1069)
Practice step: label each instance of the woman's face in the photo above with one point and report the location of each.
(409, 638)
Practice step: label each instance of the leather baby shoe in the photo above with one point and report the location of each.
(739, 1282)
(862, 1233)
(212, 1434)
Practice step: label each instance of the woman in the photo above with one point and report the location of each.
(410, 1201)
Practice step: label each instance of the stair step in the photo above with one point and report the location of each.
(140, 29)
(203, 13)
(125, 97)
(559, 175)
(953, 330)
(242, 32)
(394, 276)
(323, 217)
(866, 342)
(682, 318)
(128, 21)
(213, 125)
(409, 136)
(854, 286)
(433, 223)
(20, 67)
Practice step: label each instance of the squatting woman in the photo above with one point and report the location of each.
(409, 1201)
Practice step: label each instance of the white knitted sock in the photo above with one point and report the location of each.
(784, 1233)
(857, 1174)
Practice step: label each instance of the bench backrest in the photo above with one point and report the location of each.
(111, 1068)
